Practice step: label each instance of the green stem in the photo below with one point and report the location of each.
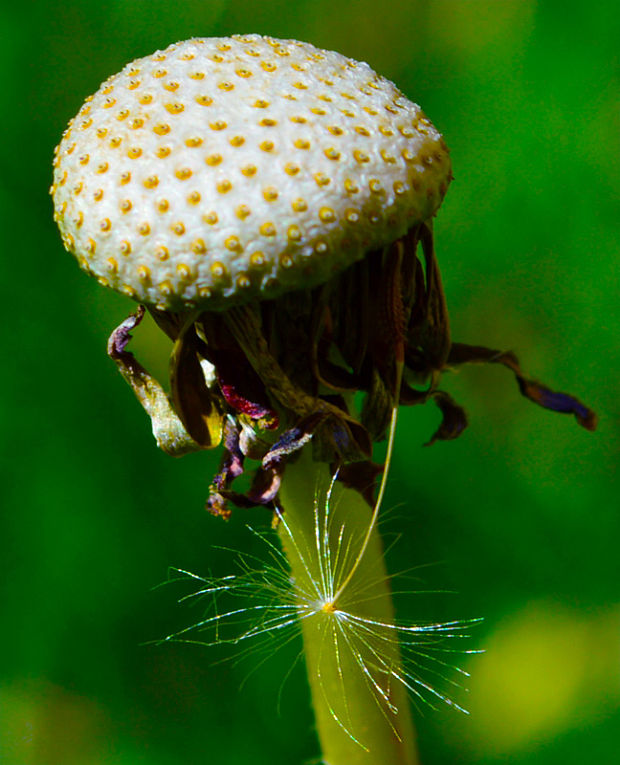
(356, 724)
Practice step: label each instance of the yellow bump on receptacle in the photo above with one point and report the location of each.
(327, 215)
(248, 170)
(198, 246)
(218, 270)
(184, 272)
(257, 259)
(294, 233)
(299, 205)
(270, 193)
(267, 229)
(223, 187)
(233, 244)
(162, 253)
(144, 274)
(322, 180)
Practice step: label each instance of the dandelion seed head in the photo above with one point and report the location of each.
(251, 162)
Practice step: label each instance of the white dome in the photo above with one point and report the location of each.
(222, 169)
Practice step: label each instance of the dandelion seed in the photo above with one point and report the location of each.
(267, 608)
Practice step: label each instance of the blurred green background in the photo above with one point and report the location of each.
(520, 517)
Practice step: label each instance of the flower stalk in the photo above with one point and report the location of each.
(361, 708)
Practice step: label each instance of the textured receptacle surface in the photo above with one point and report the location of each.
(221, 169)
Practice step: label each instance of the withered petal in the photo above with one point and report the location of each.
(231, 467)
(233, 457)
(266, 485)
(293, 440)
(170, 433)
(540, 394)
(361, 476)
(198, 409)
(169, 322)
(120, 337)
(242, 388)
(454, 418)
(433, 336)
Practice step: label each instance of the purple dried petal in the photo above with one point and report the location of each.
(119, 339)
(564, 403)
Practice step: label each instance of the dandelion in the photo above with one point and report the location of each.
(276, 220)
